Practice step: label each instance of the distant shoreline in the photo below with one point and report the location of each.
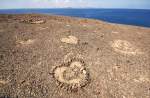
(135, 17)
(75, 8)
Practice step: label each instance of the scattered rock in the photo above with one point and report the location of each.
(42, 28)
(68, 25)
(85, 43)
(84, 25)
(70, 40)
(97, 49)
(114, 32)
(26, 66)
(5, 96)
(37, 22)
(3, 82)
(117, 67)
(142, 79)
(34, 21)
(26, 42)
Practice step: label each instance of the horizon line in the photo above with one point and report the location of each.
(75, 8)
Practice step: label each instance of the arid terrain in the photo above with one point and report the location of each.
(44, 56)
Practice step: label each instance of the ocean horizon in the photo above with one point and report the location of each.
(136, 17)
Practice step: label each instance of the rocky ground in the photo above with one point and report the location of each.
(63, 57)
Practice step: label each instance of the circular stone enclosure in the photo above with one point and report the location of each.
(72, 75)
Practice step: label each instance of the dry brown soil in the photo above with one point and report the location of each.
(42, 59)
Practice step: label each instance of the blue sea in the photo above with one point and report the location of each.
(137, 17)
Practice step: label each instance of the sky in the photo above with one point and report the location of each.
(131, 4)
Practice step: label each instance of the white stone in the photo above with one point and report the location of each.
(70, 40)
